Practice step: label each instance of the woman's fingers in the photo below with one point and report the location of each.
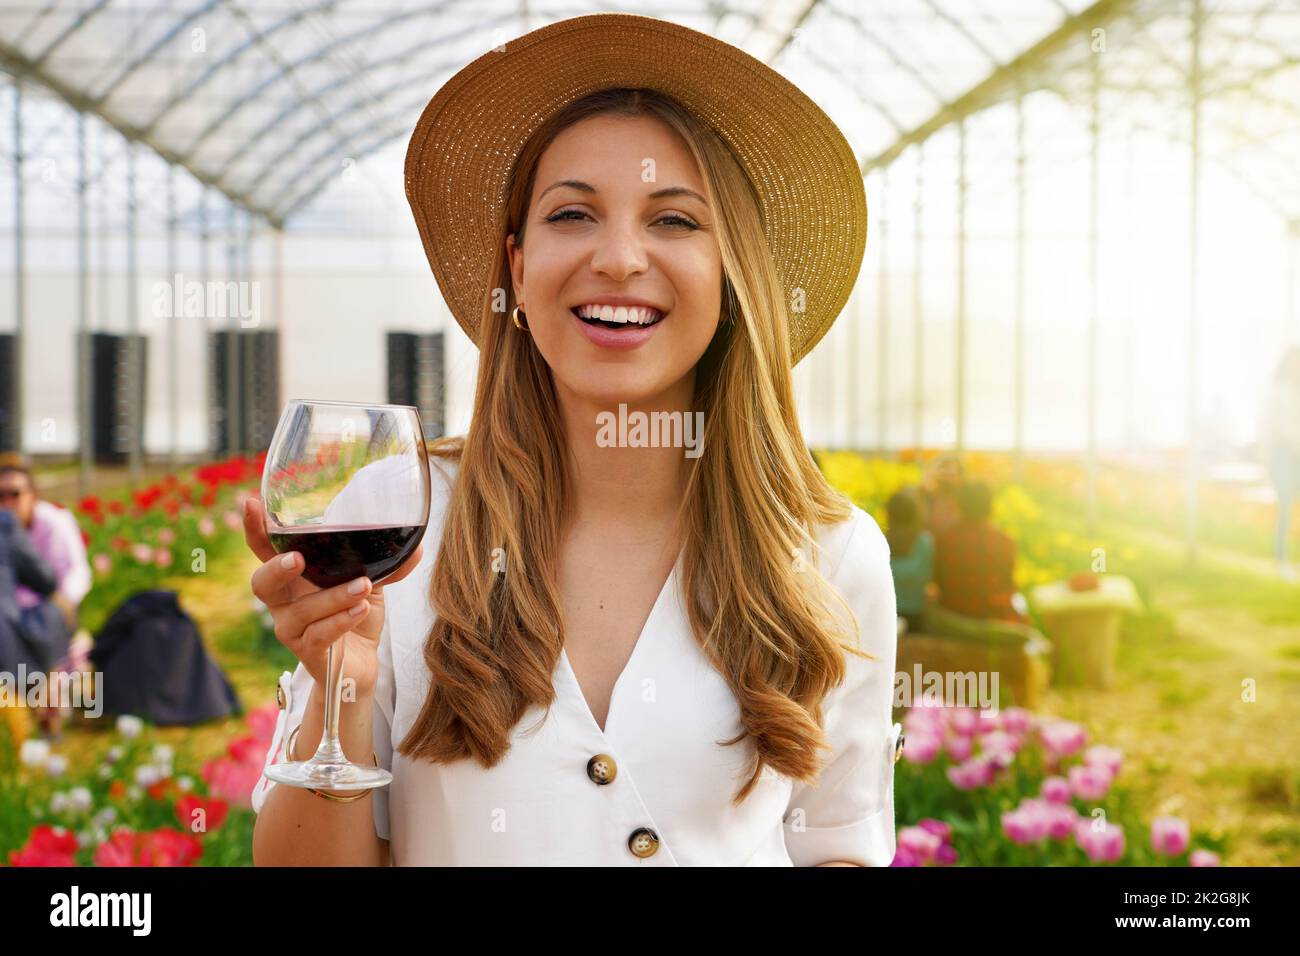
(322, 633)
(255, 530)
(296, 619)
(277, 581)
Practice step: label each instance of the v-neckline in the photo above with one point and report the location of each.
(669, 584)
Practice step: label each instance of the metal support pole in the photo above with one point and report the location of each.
(20, 269)
(1193, 261)
(960, 442)
(135, 384)
(1094, 285)
(918, 316)
(85, 408)
(232, 339)
(1018, 399)
(882, 346)
(209, 346)
(173, 328)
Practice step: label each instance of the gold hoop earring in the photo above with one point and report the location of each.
(514, 316)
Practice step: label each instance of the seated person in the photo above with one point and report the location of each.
(939, 491)
(911, 555)
(19, 564)
(49, 619)
(975, 562)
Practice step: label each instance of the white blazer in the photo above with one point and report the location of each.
(654, 788)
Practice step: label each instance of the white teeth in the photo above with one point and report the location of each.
(624, 314)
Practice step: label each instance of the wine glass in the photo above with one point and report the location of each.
(347, 486)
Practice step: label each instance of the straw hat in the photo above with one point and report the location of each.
(467, 138)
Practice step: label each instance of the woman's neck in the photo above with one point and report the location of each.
(617, 484)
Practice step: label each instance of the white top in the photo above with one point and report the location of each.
(542, 804)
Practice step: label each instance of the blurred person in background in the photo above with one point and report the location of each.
(975, 562)
(48, 619)
(19, 565)
(911, 555)
(1281, 434)
(939, 490)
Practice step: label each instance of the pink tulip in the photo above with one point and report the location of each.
(103, 563)
(959, 748)
(1203, 858)
(973, 774)
(1017, 720)
(162, 557)
(261, 722)
(1105, 845)
(921, 747)
(1026, 824)
(1061, 820)
(206, 526)
(1169, 836)
(946, 855)
(166, 536)
(142, 553)
(233, 521)
(990, 720)
(999, 741)
(937, 827)
(906, 857)
(232, 779)
(922, 843)
(1089, 783)
(1063, 737)
(1100, 755)
(1056, 790)
(963, 720)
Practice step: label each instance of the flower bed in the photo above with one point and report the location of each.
(141, 803)
(1011, 788)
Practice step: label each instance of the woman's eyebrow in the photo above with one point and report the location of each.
(588, 188)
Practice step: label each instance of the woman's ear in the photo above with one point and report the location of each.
(515, 257)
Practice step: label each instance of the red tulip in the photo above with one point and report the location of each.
(46, 846)
(214, 811)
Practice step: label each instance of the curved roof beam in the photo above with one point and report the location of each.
(292, 207)
(320, 52)
(312, 133)
(71, 28)
(297, 105)
(237, 52)
(129, 70)
(399, 114)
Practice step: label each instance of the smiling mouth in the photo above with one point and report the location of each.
(618, 326)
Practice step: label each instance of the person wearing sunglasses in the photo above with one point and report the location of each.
(47, 619)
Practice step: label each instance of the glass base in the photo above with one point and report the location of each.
(329, 776)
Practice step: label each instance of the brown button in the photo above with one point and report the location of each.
(279, 696)
(643, 842)
(602, 769)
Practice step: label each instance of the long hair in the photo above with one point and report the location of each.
(758, 607)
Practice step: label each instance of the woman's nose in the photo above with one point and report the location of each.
(620, 251)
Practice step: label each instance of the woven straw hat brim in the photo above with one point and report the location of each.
(466, 140)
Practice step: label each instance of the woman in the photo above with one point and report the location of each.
(911, 555)
(637, 652)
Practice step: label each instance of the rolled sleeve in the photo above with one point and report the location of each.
(296, 688)
(848, 813)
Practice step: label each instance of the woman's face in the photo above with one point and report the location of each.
(608, 218)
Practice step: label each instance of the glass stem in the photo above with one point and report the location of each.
(330, 750)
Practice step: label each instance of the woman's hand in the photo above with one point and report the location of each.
(309, 619)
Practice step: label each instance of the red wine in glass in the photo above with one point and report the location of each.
(337, 555)
(346, 485)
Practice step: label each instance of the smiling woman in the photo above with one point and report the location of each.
(612, 652)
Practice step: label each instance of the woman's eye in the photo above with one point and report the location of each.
(564, 216)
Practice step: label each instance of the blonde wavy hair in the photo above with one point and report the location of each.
(761, 612)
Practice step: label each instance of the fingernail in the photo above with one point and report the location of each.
(356, 609)
(289, 560)
(357, 586)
